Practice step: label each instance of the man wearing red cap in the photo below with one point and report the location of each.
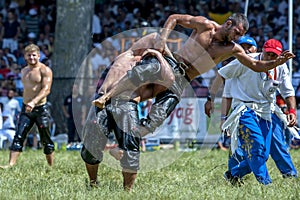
(250, 123)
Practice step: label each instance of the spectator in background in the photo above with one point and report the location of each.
(99, 60)
(219, 11)
(1, 111)
(47, 55)
(4, 69)
(283, 5)
(208, 77)
(11, 31)
(12, 73)
(5, 8)
(255, 13)
(96, 26)
(297, 50)
(2, 56)
(32, 21)
(11, 104)
(107, 18)
(47, 32)
(284, 39)
(43, 18)
(1, 29)
(20, 55)
(75, 111)
(31, 38)
(11, 58)
(8, 129)
(23, 30)
(17, 79)
(8, 84)
(42, 40)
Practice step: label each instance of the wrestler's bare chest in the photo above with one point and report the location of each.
(31, 76)
(218, 51)
(203, 44)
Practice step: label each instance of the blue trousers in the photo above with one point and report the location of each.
(255, 141)
(278, 151)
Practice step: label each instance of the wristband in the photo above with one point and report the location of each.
(211, 97)
(292, 111)
(208, 98)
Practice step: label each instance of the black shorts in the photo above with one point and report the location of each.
(123, 120)
(40, 116)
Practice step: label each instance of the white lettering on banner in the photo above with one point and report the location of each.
(186, 121)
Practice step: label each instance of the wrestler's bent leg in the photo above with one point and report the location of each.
(148, 70)
(165, 103)
(94, 138)
(95, 132)
(125, 118)
(91, 165)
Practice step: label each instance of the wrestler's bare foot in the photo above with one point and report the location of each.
(117, 153)
(100, 102)
(5, 166)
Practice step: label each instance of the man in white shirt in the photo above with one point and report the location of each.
(11, 104)
(253, 97)
(8, 129)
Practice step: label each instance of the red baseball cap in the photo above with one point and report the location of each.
(274, 46)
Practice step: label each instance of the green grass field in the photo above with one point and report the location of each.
(192, 175)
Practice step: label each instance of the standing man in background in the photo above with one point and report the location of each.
(12, 105)
(37, 81)
(74, 110)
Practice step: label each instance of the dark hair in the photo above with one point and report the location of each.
(239, 18)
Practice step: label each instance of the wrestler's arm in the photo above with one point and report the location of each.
(209, 105)
(226, 103)
(46, 74)
(225, 107)
(188, 21)
(291, 105)
(260, 65)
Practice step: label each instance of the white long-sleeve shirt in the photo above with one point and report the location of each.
(250, 86)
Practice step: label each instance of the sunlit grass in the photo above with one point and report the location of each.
(194, 175)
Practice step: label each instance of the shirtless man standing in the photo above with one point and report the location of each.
(37, 81)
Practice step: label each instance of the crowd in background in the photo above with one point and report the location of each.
(24, 22)
(33, 21)
(268, 19)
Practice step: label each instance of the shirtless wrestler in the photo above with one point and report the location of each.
(208, 44)
(37, 81)
(108, 120)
